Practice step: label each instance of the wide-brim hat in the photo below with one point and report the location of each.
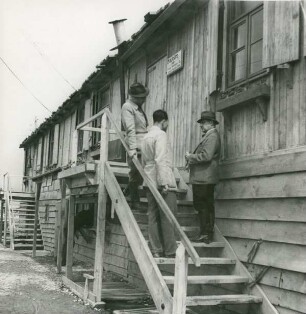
(138, 90)
(208, 115)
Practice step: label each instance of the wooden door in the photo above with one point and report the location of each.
(157, 83)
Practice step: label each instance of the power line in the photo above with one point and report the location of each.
(23, 84)
(44, 56)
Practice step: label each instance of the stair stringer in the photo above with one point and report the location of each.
(147, 265)
(266, 306)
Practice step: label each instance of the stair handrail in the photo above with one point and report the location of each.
(159, 199)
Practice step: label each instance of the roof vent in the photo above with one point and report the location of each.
(119, 29)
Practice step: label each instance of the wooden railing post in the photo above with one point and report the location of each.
(70, 236)
(1, 219)
(5, 221)
(37, 197)
(102, 199)
(180, 281)
(61, 229)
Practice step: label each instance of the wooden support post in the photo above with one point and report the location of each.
(61, 231)
(70, 236)
(37, 197)
(1, 219)
(102, 199)
(5, 224)
(180, 281)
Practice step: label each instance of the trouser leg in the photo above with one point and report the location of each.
(203, 201)
(168, 231)
(153, 219)
(135, 180)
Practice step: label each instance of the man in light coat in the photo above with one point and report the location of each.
(135, 123)
(157, 163)
(203, 165)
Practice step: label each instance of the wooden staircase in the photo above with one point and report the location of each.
(20, 221)
(201, 275)
(221, 281)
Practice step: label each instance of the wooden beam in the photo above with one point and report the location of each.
(70, 236)
(159, 199)
(101, 214)
(96, 116)
(37, 197)
(61, 229)
(180, 281)
(90, 129)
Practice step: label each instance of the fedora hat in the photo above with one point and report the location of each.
(138, 90)
(208, 115)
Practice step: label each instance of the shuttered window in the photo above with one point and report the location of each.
(245, 40)
(281, 32)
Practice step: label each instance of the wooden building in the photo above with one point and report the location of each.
(242, 59)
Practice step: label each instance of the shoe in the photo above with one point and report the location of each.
(156, 255)
(202, 238)
(170, 255)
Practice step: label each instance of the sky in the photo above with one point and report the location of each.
(52, 46)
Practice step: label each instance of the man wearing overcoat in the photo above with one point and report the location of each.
(135, 123)
(203, 165)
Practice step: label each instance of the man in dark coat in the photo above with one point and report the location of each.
(203, 165)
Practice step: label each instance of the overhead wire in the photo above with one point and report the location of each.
(20, 81)
(45, 57)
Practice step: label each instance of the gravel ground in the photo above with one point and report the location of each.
(31, 286)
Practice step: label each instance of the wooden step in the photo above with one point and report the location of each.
(203, 261)
(26, 240)
(221, 299)
(213, 280)
(29, 246)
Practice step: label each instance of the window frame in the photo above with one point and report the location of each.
(50, 147)
(80, 117)
(231, 25)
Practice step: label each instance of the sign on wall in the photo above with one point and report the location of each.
(175, 63)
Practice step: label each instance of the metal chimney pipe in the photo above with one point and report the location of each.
(119, 29)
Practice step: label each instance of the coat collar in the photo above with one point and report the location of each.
(136, 107)
(208, 133)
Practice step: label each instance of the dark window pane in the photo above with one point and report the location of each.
(256, 57)
(238, 65)
(242, 7)
(239, 36)
(256, 26)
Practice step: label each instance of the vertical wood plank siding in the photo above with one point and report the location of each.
(186, 90)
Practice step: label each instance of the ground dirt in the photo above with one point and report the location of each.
(32, 286)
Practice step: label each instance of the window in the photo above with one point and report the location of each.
(51, 146)
(245, 40)
(100, 100)
(79, 119)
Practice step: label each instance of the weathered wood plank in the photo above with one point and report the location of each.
(279, 255)
(279, 278)
(70, 237)
(283, 185)
(264, 165)
(278, 209)
(285, 298)
(180, 281)
(37, 196)
(284, 232)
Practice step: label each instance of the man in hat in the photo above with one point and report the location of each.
(203, 166)
(157, 162)
(135, 123)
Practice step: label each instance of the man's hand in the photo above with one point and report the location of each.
(165, 189)
(132, 152)
(187, 155)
